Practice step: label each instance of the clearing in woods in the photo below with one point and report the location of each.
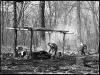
(65, 65)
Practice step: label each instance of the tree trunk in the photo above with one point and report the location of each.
(42, 23)
(50, 12)
(42, 17)
(15, 30)
(55, 20)
(50, 19)
(2, 18)
(36, 41)
(36, 33)
(95, 27)
(79, 22)
(0, 26)
(8, 22)
(23, 32)
(31, 43)
(88, 33)
(65, 17)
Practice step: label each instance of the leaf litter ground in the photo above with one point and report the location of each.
(66, 65)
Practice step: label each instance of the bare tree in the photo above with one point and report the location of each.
(92, 8)
(95, 26)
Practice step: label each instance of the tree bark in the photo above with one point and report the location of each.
(42, 22)
(15, 30)
(31, 43)
(55, 14)
(0, 26)
(42, 17)
(2, 18)
(23, 32)
(50, 18)
(50, 12)
(8, 22)
(79, 22)
(95, 27)
(88, 34)
(36, 41)
(65, 17)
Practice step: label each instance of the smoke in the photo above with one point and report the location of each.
(57, 37)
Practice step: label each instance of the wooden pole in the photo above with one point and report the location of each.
(63, 42)
(31, 43)
(49, 37)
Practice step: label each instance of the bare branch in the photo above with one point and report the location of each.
(72, 8)
(67, 2)
(26, 6)
(22, 10)
(20, 14)
(89, 4)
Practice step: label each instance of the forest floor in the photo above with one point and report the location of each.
(66, 65)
